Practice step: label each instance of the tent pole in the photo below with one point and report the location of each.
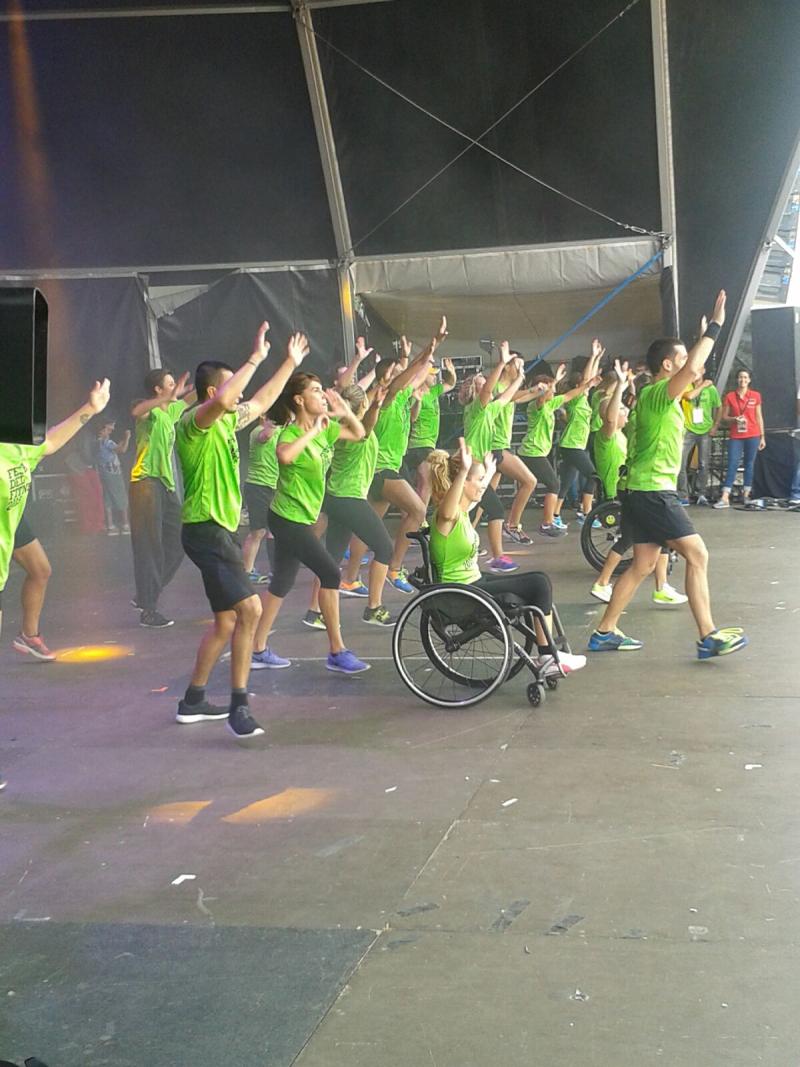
(666, 164)
(739, 316)
(330, 169)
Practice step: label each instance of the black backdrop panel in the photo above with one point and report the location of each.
(776, 364)
(590, 131)
(221, 323)
(163, 141)
(736, 102)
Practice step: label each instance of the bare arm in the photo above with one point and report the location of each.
(698, 356)
(760, 420)
(418, 367)
(122, 447)
(611, 407)
(493, 377)
(374, 410)
(263, 399)
(723, 417)
(449, 377)
(289, 451)
(57, 436)
(508, 394)
(349, 372)
(449, 507)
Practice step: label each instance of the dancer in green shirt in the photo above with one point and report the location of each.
(651, 511)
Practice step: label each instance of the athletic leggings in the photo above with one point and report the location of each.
(351, 515)
(492, 505)
(572, 460)
(542, 470)
(296, 543)
(533, 587)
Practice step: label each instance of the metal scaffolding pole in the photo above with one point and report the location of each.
(666, 166)
(330, 169)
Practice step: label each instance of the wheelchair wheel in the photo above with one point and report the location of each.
(452, 646)
(596, 542)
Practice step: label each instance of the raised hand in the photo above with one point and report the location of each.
(297, 349)
(261, 345)
(361, 350)
(405, 347)
(337, 405)
(718, 315)
(489, 466)
(518, 364)
(597, 349)
(621, 371)
(99, 396)
(321, 423)
(442, 332)
(465, 455)
(505, 352)
(703, 325)
(561, 372)
(447, 364)
(182, 386)
(380, 394)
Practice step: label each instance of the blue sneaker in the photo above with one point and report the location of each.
(613, 641)
(257, 578)
(559, 522)
(345, 662)
(503, 565)
(356, 588)
(721, 642)
(268, 660)
(399, 579)
(364, 558)
(684, 502)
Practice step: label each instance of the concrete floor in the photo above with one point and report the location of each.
(362, 892)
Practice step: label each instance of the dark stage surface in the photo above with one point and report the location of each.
(362, 893)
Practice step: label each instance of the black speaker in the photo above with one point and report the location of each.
(23, 345)
(776, 363)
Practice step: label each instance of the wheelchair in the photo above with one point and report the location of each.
(454, 645)
(600, 533)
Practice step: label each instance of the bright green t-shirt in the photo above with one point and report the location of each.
(479, 422)
(609, 455)
(17, 462)
(425, 431)
(455, 556)
(597, 398)
(541, 422)
(262, 466)
(699, 413)
(209, 462)
(392, 430)
(503, 425)
(155, 439)
(353, 467)
(301, 484)
(654, 453)
(579, 417)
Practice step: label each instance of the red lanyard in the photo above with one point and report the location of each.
(743, 402)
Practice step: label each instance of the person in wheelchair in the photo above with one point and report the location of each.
(458, 483)
(610, 452)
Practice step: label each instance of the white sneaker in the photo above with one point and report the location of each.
(721, 504)
(602, 592)
(667, 595)
(570, 662)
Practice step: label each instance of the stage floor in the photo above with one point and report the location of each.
(610, 879)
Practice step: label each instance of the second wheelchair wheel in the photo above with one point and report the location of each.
(600, 532)
(452, 646)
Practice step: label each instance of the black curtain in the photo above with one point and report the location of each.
(221, 323)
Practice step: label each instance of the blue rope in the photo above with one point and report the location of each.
(593, 311)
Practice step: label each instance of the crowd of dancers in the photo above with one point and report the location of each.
(325, 465)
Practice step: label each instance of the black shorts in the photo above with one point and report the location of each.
(498, 455)
(23, 535)
(491, 504)
(653, 518)
(376, 488)
(415, 456)
(218, 555)
(258, 499)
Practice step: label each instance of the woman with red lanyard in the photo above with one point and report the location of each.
(741, 408)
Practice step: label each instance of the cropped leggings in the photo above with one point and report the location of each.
(534, 587)
(572, 460)
(352, 515)
(296, 543)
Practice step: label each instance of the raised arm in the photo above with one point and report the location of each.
(226, 398)
(351, 428)
(289, 451)
(611, 408)
(449, 507)
(374, 409)
(449, 377)
(510, 392)
(122, 446)
(349, 373)
(57, 436)
(418, 367)
(493, 377)
(263, 399)
(700, 351)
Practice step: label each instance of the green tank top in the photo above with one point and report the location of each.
(455, 556)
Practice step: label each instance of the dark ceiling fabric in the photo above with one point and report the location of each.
(185, 140)
(736, 101)
(590, 131)
(222, 322)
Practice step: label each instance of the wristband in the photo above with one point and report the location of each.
(252, 363)
(712, 330)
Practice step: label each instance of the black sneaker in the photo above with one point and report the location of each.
(242, 724)
(154, 620)
(202, 712)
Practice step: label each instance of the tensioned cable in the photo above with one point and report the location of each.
(476, 141)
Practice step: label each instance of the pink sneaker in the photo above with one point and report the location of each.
(33, 646)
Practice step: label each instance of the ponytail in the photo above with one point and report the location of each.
(444, 469)
(466, 392)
